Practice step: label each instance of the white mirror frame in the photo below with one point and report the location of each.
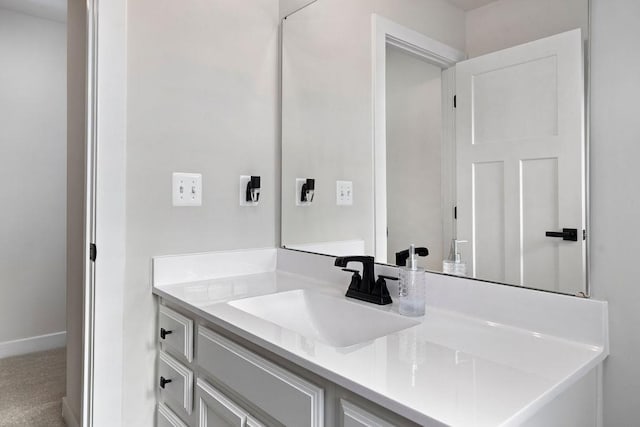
(386, 32)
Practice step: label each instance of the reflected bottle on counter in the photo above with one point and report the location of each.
(454, 264)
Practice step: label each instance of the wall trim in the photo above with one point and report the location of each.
(68, 415)
(33, 344)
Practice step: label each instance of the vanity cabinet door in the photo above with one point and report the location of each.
(166, 417)
(252, 422)
(216, 409)
(175, 332)
(354, 416)
(175, 382)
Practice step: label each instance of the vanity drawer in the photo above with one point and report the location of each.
(355, 416)
(216, 409)
(175, 382)
(167, 418)
(252, 422)
(284, 396)
(175, 332)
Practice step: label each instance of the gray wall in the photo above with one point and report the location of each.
(505, 23)
(615, 201)
(414, 163)
(327, 100)
(289, 6)
(76, 76)
(33, 173)
(202, 97)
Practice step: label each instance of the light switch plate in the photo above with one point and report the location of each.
(244, 180)
(187, 189)
(344, 193)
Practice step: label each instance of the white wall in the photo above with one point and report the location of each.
(327, 109)
(506, 23)
(414, 163)
(202, 97)
(33, 172)
(289, 6)
(615, 204)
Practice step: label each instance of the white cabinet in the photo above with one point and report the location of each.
(355, 416)
(175, 382)
(286, 397)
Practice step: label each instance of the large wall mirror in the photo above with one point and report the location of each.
(455, 125)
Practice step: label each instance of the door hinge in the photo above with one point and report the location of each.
(584, 234)
(455, 101)
(93, 252)
(455, 212)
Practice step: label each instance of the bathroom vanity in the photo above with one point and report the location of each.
(267, 338)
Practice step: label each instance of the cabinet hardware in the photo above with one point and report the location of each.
(164, 382)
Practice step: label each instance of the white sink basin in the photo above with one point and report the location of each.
(332, 320)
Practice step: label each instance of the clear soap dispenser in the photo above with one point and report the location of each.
(412, 286)
(454, 265)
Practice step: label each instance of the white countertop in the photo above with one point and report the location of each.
(451, 369)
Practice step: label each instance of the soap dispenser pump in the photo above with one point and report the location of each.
(454, 264)
(412, 287)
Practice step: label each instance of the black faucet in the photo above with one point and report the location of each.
(402, 256)
(365, 287)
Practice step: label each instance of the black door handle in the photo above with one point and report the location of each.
(570, 234)
(164, 333)
(164, 382)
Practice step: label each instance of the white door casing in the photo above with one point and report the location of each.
(520, 143)
(386, 32)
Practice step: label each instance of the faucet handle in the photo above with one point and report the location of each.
(356, 279)
(380, 290)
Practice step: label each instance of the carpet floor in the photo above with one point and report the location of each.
(31, 389)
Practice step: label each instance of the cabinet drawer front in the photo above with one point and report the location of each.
(166, 417)
(354, 416)
(175, 381)
(252, 422)
(286, 397)
(175, 331)
(217, 410)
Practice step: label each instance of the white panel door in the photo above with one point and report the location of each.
(520, 163)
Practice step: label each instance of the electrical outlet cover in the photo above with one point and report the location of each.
(298, 194)
(187, 189)
(244, 180)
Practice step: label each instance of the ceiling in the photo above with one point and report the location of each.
(471, 4)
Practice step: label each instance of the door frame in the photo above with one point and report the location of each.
(386, 32)
(105, 213)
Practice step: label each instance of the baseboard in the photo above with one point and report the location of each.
(67, 414)
(33, 344)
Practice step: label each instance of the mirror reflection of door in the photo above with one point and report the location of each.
(520, 163)
(414, 138)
